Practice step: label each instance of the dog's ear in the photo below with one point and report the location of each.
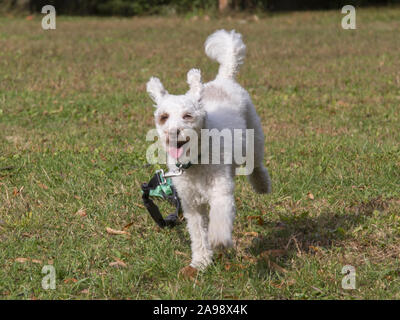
(194, 81)
(155, 89)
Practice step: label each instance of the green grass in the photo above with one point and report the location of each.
(73, 119)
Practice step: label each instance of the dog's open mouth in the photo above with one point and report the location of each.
(177, 151)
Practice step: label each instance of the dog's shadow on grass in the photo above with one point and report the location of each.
(297, 234)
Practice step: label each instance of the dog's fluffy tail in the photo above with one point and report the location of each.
(228, 49)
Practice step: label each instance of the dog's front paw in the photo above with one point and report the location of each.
(201, 263)
(201, 256)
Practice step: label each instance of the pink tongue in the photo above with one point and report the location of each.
(175, 152)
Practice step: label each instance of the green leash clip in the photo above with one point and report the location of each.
(160, 186)
(164, 188)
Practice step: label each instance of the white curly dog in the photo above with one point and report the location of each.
(219, 104)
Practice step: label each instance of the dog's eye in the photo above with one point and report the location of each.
(163, 118)
(187, 116)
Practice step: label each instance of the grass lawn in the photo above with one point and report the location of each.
(73, 118)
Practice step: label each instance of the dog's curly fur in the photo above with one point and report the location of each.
(218, 104)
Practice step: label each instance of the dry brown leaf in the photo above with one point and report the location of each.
(278, 286)
(36, 261)
(115, 232)
(22, 260)
(290, 282)
(342, 103)
(57, 111)
(81, 212)
(84, 291)
(249, 258)
(139, 205)
(43, 186)
(188, 272)
(310, 196)
(260, 221)
(118, 263)
(128, 225)
(69, 280)
(179, 253)
(251, 234)
(227, 266)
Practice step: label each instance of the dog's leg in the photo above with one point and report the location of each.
(222, 210)
(197, 226)
(259, 178)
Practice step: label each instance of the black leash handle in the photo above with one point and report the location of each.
(151, 207)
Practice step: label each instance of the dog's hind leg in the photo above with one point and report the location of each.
(197, 227)
(259, 178)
